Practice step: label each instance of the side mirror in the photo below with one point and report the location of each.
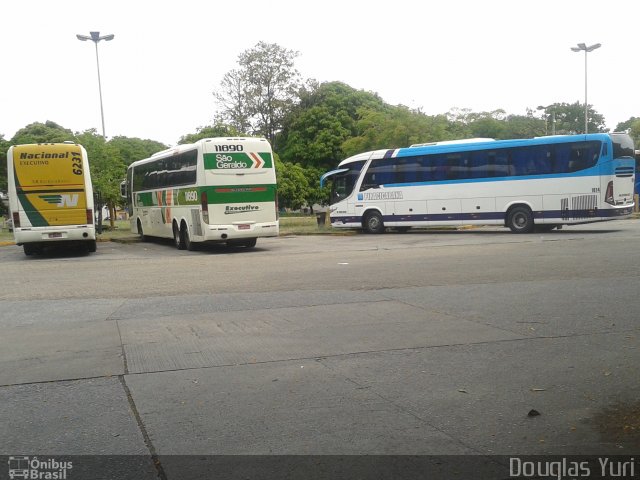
(123, 189)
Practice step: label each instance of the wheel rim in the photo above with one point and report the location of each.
(520, 220)
(374, 223)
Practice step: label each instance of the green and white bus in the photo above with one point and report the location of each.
(214, 190)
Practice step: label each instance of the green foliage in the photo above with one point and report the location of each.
(569, 118)
(326, 116)
(132, 149)
(624, 126)
(293, 186)
(107, 167)
(634, 131)
(4, 146)
(633, 127)
(48, 132)
(395, 127)
(218, 129)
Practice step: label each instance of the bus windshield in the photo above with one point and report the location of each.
(343, 183)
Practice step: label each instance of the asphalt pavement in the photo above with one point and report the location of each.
(475, 343)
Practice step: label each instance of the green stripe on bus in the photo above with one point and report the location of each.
(240, 193)
(35, 217)
(215, 195)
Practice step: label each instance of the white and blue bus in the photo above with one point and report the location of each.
(540, 183)
(215, 190)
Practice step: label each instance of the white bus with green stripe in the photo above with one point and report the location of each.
(214, 190)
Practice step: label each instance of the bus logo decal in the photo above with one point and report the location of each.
(257, 161)
(382, 196)
(230, 210)
(235, 160)
(61, 200)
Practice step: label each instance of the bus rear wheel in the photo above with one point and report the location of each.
(520, 219)
(91, 246)
(373, 223)
(248, 243)
(178, 238)
(186, 240)
(140, 231)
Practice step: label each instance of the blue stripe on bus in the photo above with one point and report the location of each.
(592, 172)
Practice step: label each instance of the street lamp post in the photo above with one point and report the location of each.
(583, 47)
(95, 38)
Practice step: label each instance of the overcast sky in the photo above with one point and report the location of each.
(159, 72)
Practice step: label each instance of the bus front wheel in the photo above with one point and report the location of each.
(373, 223)
(520, 220)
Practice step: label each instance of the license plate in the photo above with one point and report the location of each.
(55, 235)
(244, 227)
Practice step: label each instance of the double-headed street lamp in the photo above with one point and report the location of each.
(95, 38)
(583, 47)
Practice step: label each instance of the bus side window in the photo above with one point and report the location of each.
(562, 158)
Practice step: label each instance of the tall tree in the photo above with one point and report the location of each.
(256, 97)
(233, 98)
(315, 130)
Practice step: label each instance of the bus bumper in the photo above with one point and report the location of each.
(51, 235)
(222, 233)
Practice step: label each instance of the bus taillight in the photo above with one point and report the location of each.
(608, 196)
(89, 216)
(16, 220)
(205, 207)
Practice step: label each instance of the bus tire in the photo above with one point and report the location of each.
(91, 246)
(373, 222)
(520, 219)
(186, 240)
(29, 249)
(250, 243)
(178, 238)
(140, 231)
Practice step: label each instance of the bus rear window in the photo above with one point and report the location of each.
(622, 145)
